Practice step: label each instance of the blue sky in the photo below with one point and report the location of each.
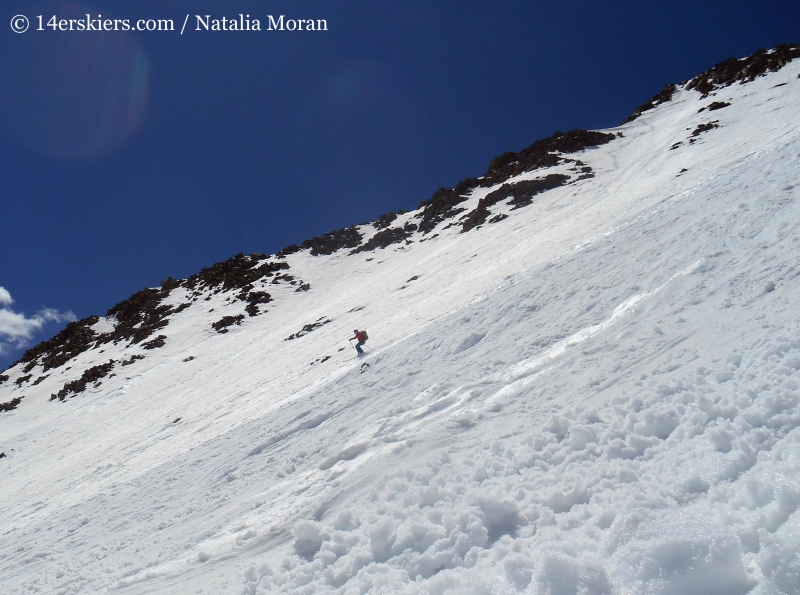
(129, 157)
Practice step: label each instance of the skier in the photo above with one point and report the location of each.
(361, 338)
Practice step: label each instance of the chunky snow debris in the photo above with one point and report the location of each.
(670, 491)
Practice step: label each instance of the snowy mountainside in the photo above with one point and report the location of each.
(597, 393)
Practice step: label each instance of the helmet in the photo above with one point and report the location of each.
(355, 331)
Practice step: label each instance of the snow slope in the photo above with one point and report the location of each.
(597, 394)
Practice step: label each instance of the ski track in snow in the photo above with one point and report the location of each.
(599, 394)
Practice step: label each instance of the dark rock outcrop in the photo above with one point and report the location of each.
(661, 97)
(701, 129)
(155, 343)
(93, 374)
(76, 338)
(221, 325)
(138, 317)
(234, 273)
(439, 207)
(253, 299)
(333, 241)
(22, 379)
(132, 359)
(12, 404)
(385, 220)
(715, 105)
(293, 249)
(744, 70)
(307, 328)
(386, 238)
(543, 153)
(521, 193)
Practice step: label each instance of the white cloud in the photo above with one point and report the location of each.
(5, 297)
(16, 329)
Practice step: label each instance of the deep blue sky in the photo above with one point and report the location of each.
(129, 157)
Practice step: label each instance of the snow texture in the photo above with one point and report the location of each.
(598, 394)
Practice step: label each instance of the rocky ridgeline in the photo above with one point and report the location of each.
(143, 314)
(724, 74)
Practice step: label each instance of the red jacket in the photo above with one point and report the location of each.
(360, 337)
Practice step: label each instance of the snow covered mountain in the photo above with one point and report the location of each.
(583, 376)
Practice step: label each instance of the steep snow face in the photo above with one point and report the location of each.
(599, 393)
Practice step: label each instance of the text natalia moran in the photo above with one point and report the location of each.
(244, 23)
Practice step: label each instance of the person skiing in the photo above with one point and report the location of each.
(359, 336)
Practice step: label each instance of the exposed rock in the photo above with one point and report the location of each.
(524, 191)
(132, 359)
(234, 273)
(661, 97)
(333, 241)
(308, 328)
(385, 220)
(386, 237)
(258, 297)
(182, 307)
(521, 192)
(744, 70)
(717, 105)
(169, 284)
(76, 338)
(22, 379)
(12, 404)
(93, 374)
(155, 343)
(294, 248)
(439, 207)
(703, 128)
(283, 277)
(253, 298)
(138, 317)
(543, 153)
(221, 325)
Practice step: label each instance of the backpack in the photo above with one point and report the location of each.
(366, 336)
